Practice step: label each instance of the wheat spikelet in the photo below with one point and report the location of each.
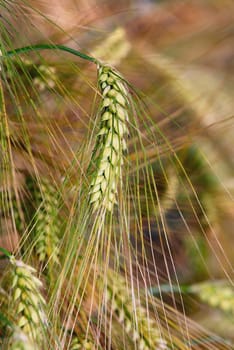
(27, 301)
(47, 223)
(143, 330)
(111, 144)
(216, 294)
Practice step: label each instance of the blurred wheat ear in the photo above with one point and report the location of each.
(46, 222)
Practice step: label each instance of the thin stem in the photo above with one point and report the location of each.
(166, 288)
(39, 47)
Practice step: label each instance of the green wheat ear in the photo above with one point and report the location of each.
(142, 329)
(108, 152)
(216, 294)
(47, 223)
(114, 48)
(40, 76)
(27, 300)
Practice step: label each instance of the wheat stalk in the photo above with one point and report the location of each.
(27, 300)
(110, 144)
(143, 329)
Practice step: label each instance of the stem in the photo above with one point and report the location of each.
(166, 288)
(39, 47)
(5, 253)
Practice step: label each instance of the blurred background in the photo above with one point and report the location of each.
(179, 56)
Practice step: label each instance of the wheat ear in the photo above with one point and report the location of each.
(42, 76)
(107, 156)
(47, 223)
(143, 329)
(216, 294)
(28, 301)
(114, 48)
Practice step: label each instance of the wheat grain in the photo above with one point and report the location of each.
(111, 144)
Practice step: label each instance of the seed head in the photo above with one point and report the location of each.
(110, 145)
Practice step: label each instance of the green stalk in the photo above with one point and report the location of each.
(39, 47)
